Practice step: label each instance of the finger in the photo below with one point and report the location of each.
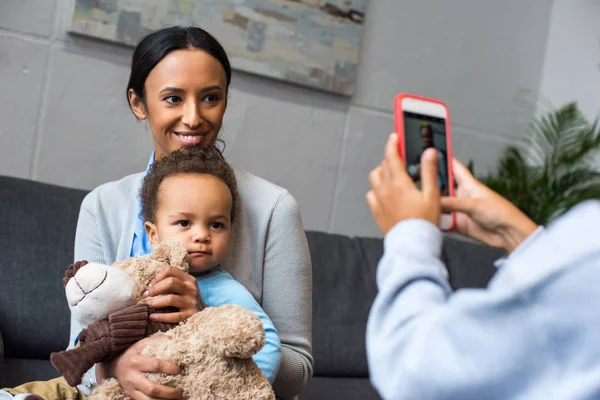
(375, 177)
(137, 395)
(393, 163)
(172, 317)
(170, 272)
(171, 300)
(456, 204)
(373, 203)
(170, 285)
(429, 174)
(461, 173)
(149, 364)
(153, 390)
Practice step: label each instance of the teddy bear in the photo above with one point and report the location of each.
(107, 301)
(214, 347)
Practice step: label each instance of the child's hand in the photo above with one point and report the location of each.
(178, 289)
(394, 196)
(484, 215)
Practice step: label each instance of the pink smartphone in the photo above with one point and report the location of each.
(422, 123)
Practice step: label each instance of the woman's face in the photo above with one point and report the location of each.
(185, 99)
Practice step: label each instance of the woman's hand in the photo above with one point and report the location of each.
(130, 370)
(394, 196)
(484, 215)
(174, 288)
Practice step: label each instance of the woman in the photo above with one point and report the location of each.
(179, 84)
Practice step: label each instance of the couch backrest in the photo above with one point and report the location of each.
(37, 233)
(344, 289)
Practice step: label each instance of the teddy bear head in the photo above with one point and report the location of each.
(94, 291)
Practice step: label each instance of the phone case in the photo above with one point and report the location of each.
(399, 129)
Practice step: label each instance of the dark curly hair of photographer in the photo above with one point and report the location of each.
(187, 160)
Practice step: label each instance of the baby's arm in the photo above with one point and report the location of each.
(225, 290)
(268, 358)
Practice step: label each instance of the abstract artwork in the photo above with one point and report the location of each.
(309, 42)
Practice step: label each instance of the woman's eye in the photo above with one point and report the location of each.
(173, 99)
(211, 98)
(217, 225)
(183, 223)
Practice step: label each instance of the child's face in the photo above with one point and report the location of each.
(194, 209)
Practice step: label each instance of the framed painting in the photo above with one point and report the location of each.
(308, 42)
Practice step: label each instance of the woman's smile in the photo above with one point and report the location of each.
(188, 139)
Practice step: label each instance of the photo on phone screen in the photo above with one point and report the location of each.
(420, 133)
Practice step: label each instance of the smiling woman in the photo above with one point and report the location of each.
(179, 83)
(180, 87)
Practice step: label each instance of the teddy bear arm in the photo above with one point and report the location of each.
(128, 326)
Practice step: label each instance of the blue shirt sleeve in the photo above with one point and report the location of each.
(220, 288)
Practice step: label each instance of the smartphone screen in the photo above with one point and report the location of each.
(420, 133)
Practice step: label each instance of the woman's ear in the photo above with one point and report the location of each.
(152, 233)
(137, 105)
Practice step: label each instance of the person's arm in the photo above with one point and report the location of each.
(484, 215)
(227, 290)
(287, 295)
(269, 357)
(423, 342)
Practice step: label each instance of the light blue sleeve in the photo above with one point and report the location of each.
(223, 289)
(424, 342)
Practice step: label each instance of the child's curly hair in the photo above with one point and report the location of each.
(191, 159)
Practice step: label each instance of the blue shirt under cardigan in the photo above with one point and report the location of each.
(141, 242)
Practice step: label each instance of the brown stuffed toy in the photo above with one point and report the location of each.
(214, 349)
(107, 302)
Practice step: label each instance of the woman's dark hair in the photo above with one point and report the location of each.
(157, 45)
(427, 127)
(187, 160)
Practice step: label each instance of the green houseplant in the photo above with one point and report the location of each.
(554, 169)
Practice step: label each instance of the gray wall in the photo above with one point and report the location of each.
(572, 64)
(64, 118)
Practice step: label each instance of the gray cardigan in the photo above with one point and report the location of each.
(269, 256)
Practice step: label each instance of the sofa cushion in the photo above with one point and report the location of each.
(38, 232)
(325, 388)
(343, 291)
(21, 370)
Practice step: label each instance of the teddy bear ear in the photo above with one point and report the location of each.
(72, 270)
(172, 253)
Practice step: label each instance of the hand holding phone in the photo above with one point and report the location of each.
(394, 198)
(423, 123)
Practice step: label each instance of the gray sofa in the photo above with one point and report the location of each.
(37, 228)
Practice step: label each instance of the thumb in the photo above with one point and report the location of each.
(461, 173)
(457, 204)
